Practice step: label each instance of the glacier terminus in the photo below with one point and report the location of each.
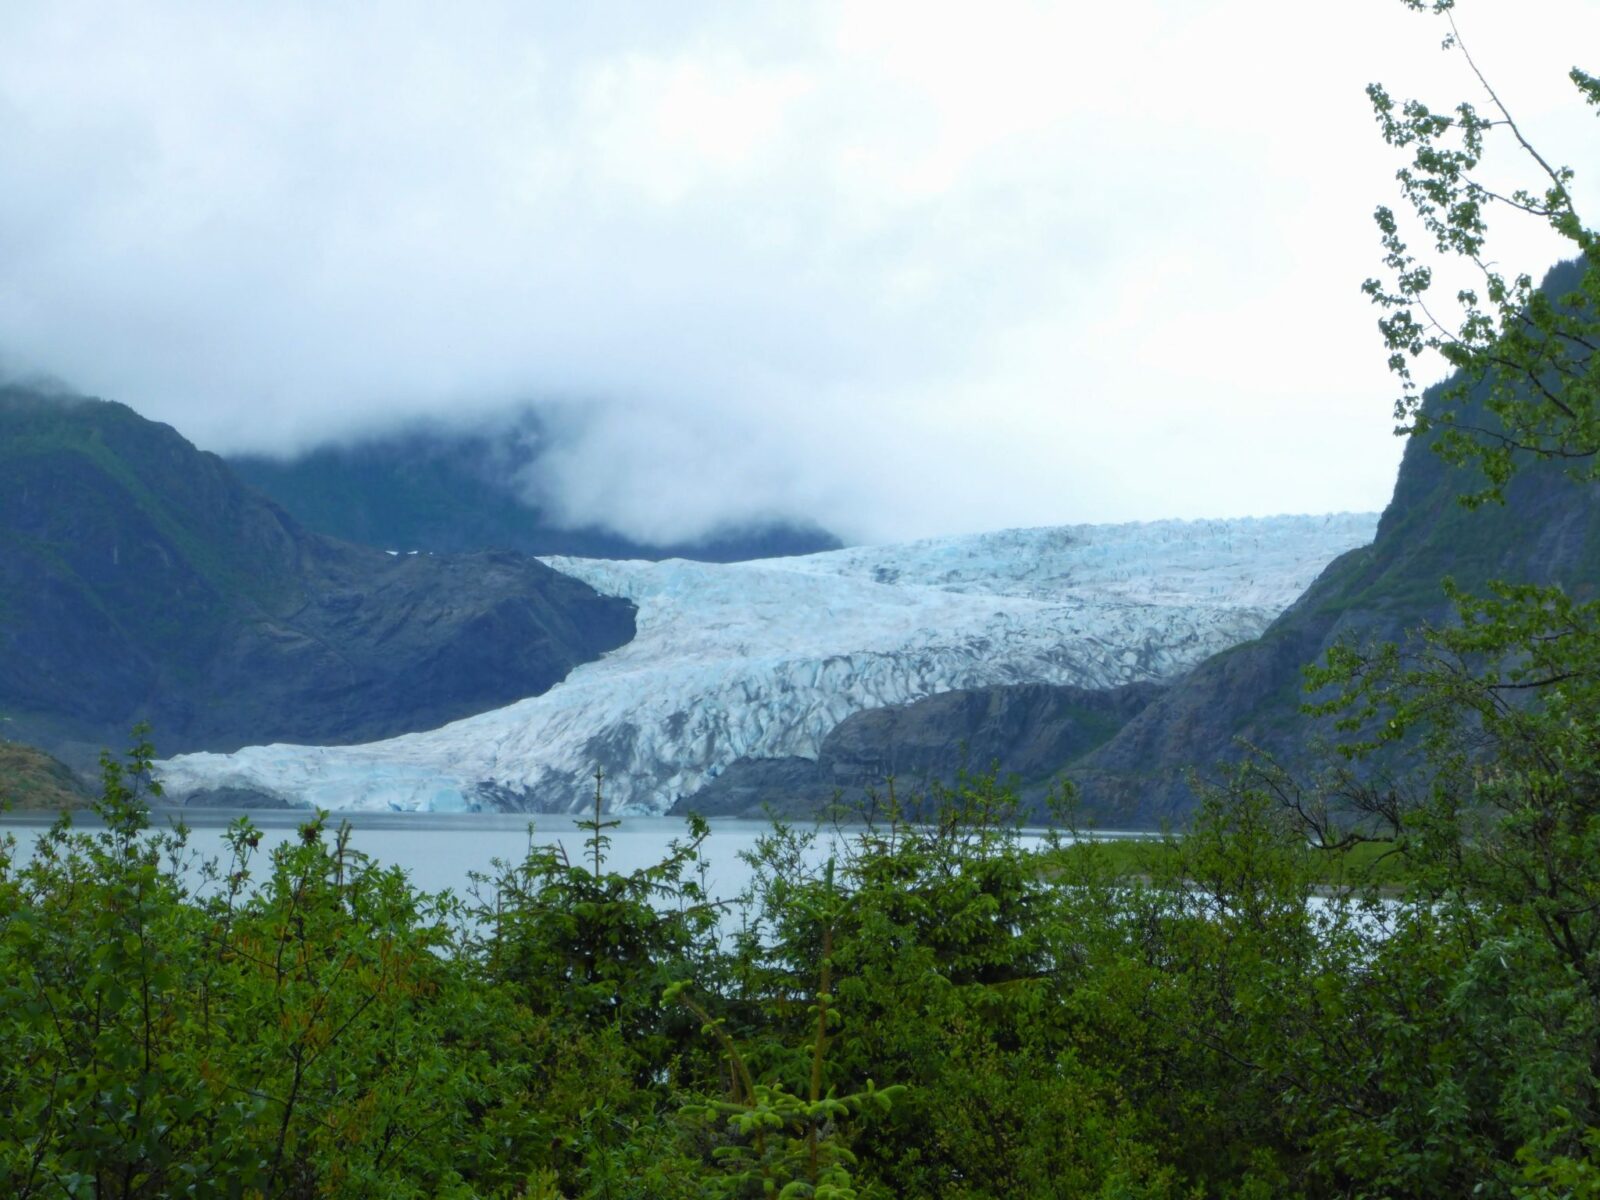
(761, 659)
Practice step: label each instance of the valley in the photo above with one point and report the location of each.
(762, 660)
(722, 631)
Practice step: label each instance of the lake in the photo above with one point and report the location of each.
(440, 850)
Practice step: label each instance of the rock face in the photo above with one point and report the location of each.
(454, 491)
(1030, 731)
(140, 580)
(1548, 531)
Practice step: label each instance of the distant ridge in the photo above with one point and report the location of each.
(140, 580)
(1027, 731)
(452, 491)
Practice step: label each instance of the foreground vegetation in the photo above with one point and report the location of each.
(1384, 981)
(939, 1010)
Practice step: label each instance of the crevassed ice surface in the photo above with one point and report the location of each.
(762, 659)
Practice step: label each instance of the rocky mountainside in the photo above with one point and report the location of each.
(454, 491)
(1136, 771)
(1028, 731)
(140, 580)
(763, 659)
(1548, 531)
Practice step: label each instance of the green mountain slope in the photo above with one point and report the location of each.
(140, 580)
(31, 779)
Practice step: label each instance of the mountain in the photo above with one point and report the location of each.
(1029, 731)
(763, 659)
(31, 779)
(453, 491)
(141, 580)
(1547, 531)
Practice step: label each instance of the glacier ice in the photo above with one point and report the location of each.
(763, 658)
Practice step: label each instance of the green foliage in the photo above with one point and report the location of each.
(258, 1039)
(1483, 1073)
(1525, 382)
(1365, 986)
(941, 1009)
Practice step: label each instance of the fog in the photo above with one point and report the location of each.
(901, 268)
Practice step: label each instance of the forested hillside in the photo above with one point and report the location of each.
(31, 779)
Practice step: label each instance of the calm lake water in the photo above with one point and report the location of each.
(441, 850)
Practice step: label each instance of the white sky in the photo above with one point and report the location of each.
(906, 268)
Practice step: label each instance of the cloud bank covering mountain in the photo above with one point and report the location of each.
(763, 659)
(843, 262)
(448, 489)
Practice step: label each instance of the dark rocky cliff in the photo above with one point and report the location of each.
(140, 580)
(1030, 731)
(1547, 531)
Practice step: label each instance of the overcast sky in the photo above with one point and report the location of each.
(907, 268)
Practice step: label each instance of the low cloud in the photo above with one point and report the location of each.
(901, 268)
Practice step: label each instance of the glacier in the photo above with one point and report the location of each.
(761, 659)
